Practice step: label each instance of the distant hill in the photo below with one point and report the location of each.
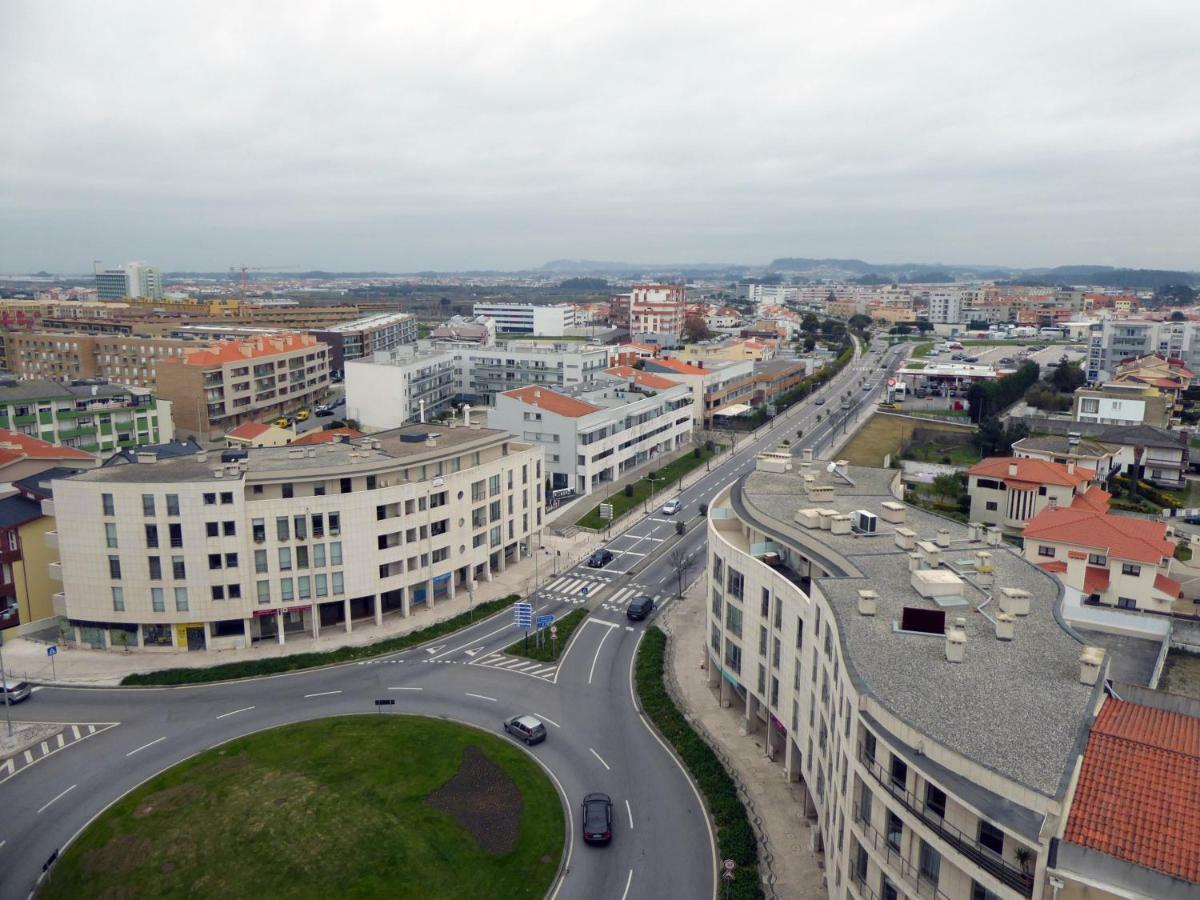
(1107, 276)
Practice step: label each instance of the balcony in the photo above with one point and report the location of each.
(915, 884)
(56, 571)
(984, 857)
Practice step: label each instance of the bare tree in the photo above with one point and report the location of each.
(681, 562)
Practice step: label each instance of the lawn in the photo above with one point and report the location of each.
(922, 350)
(550, 651)
(949, 454)
(355, 806)
(644, 490)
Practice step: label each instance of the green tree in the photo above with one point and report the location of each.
(810, 323)
(1068, 376)
(924, 325)
(810, 343)
(989, 437)
(859, 322)
(948, 486)
(695, 329)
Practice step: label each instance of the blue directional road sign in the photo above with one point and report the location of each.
(545, 621)
(523, 615)
(51, 650)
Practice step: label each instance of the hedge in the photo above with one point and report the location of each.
(735, 838)
(546, 653)
(253, 668)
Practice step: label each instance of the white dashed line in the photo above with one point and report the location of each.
(547, 719)
(235, 712)
(629, 809)
(405, 689)
(481, 697)
(628, 882)
(144, 746)
(59, 797)
(322, 694)
(599, 757)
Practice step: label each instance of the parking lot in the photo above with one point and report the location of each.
(991, 356)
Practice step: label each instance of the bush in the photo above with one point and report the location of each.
(695, 452)
(629, 490)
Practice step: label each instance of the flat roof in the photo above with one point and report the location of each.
(1016, 707)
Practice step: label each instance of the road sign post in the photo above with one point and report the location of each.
(52, 651)
(3, 677)
(554, 640)
(380, 704)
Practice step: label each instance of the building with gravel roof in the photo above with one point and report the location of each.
(913, 673)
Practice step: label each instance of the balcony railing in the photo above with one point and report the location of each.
(917, 885)
(984, 857)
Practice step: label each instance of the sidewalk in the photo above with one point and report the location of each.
(26, 659)
(776, 807)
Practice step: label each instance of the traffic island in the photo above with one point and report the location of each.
(550, 649)
(355, 806)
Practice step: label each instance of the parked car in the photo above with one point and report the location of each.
(322, 411)
(971, 359)
(820, 401)
(526, 728)
(302, 416)
(868, 386)
(16, 691)
(671, 507)
(597, 818)
(600, 558)
(639, 608)
(283, 422)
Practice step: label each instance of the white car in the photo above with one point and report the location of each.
(671, 507)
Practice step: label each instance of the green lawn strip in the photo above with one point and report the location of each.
(330, 808)
(735, 837)
(922, 350)
(253, 668)
(566, 625)
(949, 455)
(664, 478)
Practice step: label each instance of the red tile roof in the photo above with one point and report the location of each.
(236, 351)
(675, 365)
(1168, 585)
(1058, 566)
(1093, 498)
(552, 401)
(1138, 796)
(325, 437)
(1031, 471)
(15, 447)
(646, 379)
(1095, 580)
(1125, 538)
(248, 431)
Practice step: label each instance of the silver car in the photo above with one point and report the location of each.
(16, 691)
(671, 507)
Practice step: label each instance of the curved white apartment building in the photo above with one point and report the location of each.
(220, 550)
(911, 672)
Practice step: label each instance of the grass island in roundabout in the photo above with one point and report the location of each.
(354, 806)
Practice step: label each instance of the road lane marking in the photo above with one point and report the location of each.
(405, 689)
(473, 641)
(235, 712)
(547, 719)
(322, 694)
(629, 809)
(476, 650)
(596, 658)
(144, 746)
(481, 697)
(435, 648)
(602, 762)
(628, 882)
(59, 797)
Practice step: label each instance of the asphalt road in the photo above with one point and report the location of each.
(598, 741)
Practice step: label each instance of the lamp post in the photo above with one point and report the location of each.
(4, 684)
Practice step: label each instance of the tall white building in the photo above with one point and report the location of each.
(1120, 339)
(526, 318)
(395, 387)
(945, 306)
(133, 279)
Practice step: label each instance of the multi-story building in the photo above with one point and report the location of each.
(214, 389)
(133, 279)
(1126, 339)
(716, 386)
(1008, 491)
(526, 318)
(477, 330)
(363, 338)
(1088, 453)
(768, 293)
(597, 433)
(945, 306)
(90, 415)
(775, 378)
(1161, 455)
(125, 358)
(755, 349)
(408, 384)
(22, 455)
(1168, 375)
(484, 372)
(909, 671)
(1123, 403)
(653, 313)
(193, 553)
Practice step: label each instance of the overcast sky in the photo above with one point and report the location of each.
(452, 135)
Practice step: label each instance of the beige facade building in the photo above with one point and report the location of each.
(194, 553)
(1009, 491)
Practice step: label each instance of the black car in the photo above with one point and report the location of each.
(597, 819)
(820, 401)
(600, 559)
(322, 411)
(640, 608)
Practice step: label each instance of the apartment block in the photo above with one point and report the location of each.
(91, 414)
(484, 372)
(528, 318)
(214, 389)
(364, 337)
(653, 313)
(1123, 403)
(63, 356)
(133, 279)
(1119, 340)
(716, 386)
(395, 387)
(596, 433)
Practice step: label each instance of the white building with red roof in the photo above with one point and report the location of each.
(1009, 491)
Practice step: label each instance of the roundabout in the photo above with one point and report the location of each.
(353, 806)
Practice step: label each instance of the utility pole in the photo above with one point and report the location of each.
(4, 684)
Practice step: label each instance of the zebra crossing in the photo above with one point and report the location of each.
(573, 588)
(72, 733)
(532, 668)
(618, 601)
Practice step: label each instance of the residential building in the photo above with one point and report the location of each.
(1087, 453)
(364, 337)
(1119, 340)
(256, 434)
(214, 389)
(526, 318)
(945, 306)
(716, 386)
(480, 331)
(597, 433)
(64, 356)
(754, 349)
(1131, 830)
(768, 293)
(844, 625)
(1164, 454)
(22, 455)
(775, 378)
(133, 279)
(1123, 403)
(90, 415)
(484, 372)
(193, 553)
(653, 313)
(1170, 376)
(1008, 491)
(395, 387)
(1106, 560)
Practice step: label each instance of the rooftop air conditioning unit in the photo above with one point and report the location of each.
(866, 522)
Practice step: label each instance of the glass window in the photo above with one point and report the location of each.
(302, 557)
(178, 569)
(895, 830)
(736, 583)
(264, 591)
(287, 491)
(226, 497)
(929, 863)
(305, 586)
(282, 529)
(114, 567)
(318, 554)
(285, 559)
(733, 656)
(172, 504)
(335, 553)
(214, 561)
(335, 523)
(300, 527)
(234, 591)
(716, 603)
(210, 499)
(337, 583)
(147, 504)
(110, 534)
(212, 529)
(218, 591)
(231, 560)
(229, 529)
(733, 619)
(935, 800)
(156, 600)
(991, 837)
(321, 583)
(899, 773)
(175, 530)
(155, 567)
(260, 561)
(106, 505)
(118, 598)
(259, 530)
(286, 589)
(181, 599)
(151, 535)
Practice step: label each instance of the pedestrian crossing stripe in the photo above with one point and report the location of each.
(77, 732)
(533, 668)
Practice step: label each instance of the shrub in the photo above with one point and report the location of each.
(629, 490)
(695, 452)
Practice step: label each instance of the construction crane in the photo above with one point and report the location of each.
(233, 270)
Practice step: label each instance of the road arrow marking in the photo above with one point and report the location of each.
(473, 652)
(434, 649)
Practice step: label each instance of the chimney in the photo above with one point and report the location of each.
(995, 537)
(808, 454)
(1070, 467)
(1015, 601)
(466, 414)
(868, 602)
(421, 413)
(943, 537)
(1004, 626)
(202, 457)
(1090, 661)
(1012, 469)
(956, 641)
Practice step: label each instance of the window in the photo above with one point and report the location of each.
(321, 584)
(1126, 568)
(860, 864)
(1043, 550)
(226, 497)
(370, 482)
(178, 569)
(990, 506)
(212, 529)
(263, 589)
(735, 584)
(935, 801)
(151, 536)
(899, 773)
(301, 557)
(733, 656)
(156, 600)
(175, 530)
(335, 523)
(895, 830)
(218, 591)
(318, 525)
(765, 609)
(346, 485)
(155, 568)
(1126, 603)
(110, 535)
(979, 892)
(304, 586)
(1097, 559)
(214, 561)
(229, 529)
(173, 506)
(234, 592)
(300, 527)
(287, 490)
(106, 504)
(318, 553)
(282, 529)
(991, 837)
(493, 485)
(286, 590)
(210, 499)
(335, 553)
(147, 504)
(718, 567)
(285, 559)
(231, 561)
(716, 603)
(733, 620)
(864, 803)
(259, 530)
(929, 863)
(869, 748)
(118, 598)
(181, 599)
(114, 567)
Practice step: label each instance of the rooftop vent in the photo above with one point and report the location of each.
(975, 531)
(840, 524)
(943, 537)
(808, 454)
(202, 457)
(1004, 626)
(1013, 468)
(1090, 661)
(1014, 601)
(218, 473)
(868, 602)
(931, 552)
(144, 457)
(775, 461)
(940, 585)
(956, 641)
(995, 537)
(905, 538)
(821, 493)
(892, 511)
(809, 517)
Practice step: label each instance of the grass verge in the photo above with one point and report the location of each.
(253, 668)
(643, 490)
(735, 837)
(353, 806)
(550, 651)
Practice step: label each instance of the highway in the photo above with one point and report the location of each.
(598, 741)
